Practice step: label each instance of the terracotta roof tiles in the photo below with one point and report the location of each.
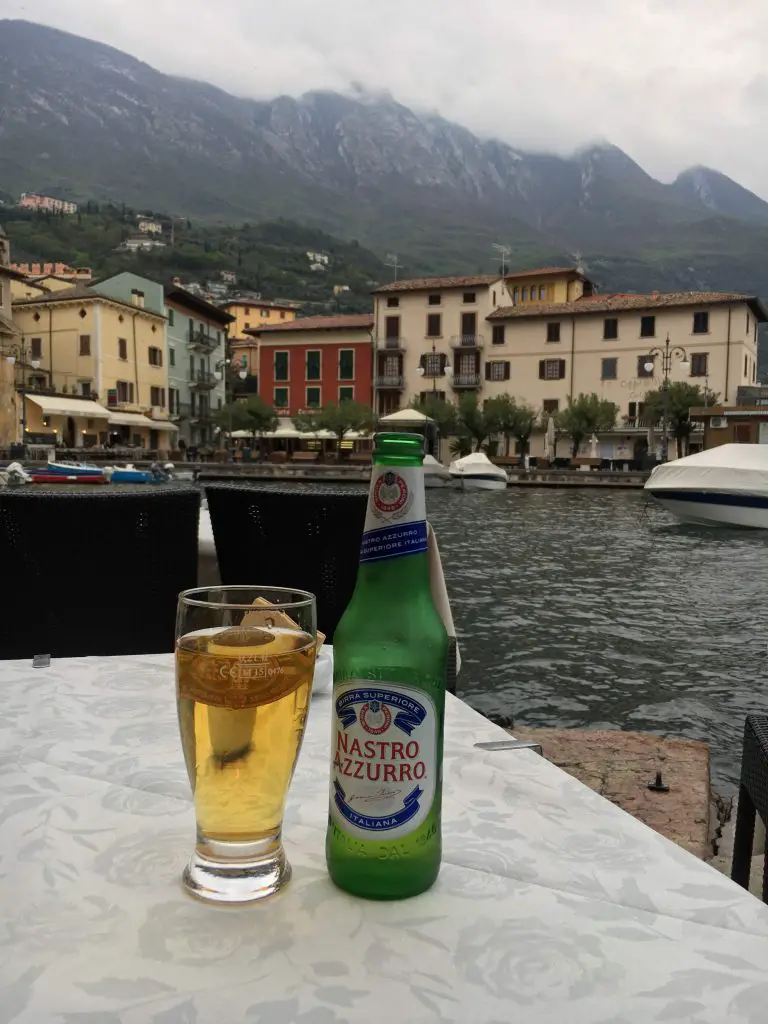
(619, 302)
(352, 321)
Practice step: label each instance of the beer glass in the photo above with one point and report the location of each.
(245, 658)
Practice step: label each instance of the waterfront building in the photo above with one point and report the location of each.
(308, 363)
(745, 422)
(49, 204)
(252, 311)
(95, 368)
(63, 271)
(197, 367)
(148, 226)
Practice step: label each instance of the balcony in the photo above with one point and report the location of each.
(391, 344)
(202, 417)
(203, 341)
(467, 341)
(466, 380)
(390, 382)
(203, 380)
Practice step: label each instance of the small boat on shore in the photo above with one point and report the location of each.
(723, 486)
(68, 469)
(435, 473)
(476, 472)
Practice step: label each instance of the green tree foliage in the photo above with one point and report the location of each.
(513, 418)
(473, 425)
(337, 418)
(586, 415)
(252, 414)
(442, 412)
(682, 398)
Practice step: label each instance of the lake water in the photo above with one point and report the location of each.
(594, 609)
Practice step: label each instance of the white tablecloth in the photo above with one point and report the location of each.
(552, 904)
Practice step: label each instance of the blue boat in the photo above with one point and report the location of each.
(130, 476)
(69, 469)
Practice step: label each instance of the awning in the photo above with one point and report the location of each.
(52, 405)
(131, 419)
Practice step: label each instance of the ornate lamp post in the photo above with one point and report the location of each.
(666, 355)
(19, 353)
(448, 370)
(225, 370)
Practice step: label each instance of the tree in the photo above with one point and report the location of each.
(524, 422)
(254, 415)
(338, 418)
(442, 412)
(586, 415)
(510, 417)
(474, 425)
(682, 398)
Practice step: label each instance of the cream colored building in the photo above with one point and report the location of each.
(544, 337)
(95, 370)
(253, 313)
(9, 339)
(439, 325)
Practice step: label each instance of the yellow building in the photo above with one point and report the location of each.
(94, 370)
(250, 313)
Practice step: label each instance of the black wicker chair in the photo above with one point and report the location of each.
(306, 537)
(94, 571)
(753, 799)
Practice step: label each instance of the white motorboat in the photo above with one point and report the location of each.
(723, 486)
(435, 473)
(476, 472)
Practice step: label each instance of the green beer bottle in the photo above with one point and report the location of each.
(390, 653)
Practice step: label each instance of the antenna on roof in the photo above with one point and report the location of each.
(503, 251)
(391, 261)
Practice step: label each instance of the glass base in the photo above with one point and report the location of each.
(236, 872)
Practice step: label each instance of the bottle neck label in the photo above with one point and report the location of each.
(384, 769)
(396, 519)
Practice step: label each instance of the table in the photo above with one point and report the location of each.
(552, 905)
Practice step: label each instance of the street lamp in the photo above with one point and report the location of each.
(666, 353)
(20, 353)
(448, 371)
(224, 369)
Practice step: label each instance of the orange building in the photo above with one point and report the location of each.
(306, 364)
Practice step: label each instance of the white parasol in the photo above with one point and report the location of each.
(594, 447)
(550, 441)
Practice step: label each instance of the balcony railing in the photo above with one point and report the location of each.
(203, 380)
(466, 380)
(202, 416)
(203, 340)
(467, 341)
(392, 344)
(642, 424)
(390, 382)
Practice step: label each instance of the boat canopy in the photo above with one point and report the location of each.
(729, 467)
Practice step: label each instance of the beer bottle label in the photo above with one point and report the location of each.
(396, 519)
(384, 769)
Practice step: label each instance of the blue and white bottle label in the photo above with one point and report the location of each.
(384, 767)
(396, 519)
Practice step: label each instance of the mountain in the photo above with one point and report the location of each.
(86, 121)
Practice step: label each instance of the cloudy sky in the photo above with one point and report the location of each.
(672, 82)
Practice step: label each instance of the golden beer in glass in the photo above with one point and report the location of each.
(245, 658)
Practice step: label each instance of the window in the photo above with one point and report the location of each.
(313, 398)
(280, 398)
(173, 400)
(434, 325)
(85, 344)
(38, 382)
(264, 314)
(347, 364)
(550, 405)
(433, 364)
(282, 314)
(437, 396)
(553, 331)
(542, 291)
(312, 367)
(525, 294)
(497, 369)
(746, 366)
(171, 356)
(700, 364)
(247, 325)
(610, 328)
(493, 298)
(701, 323)
(551, 369)
(85, 388)
(641, 370)
(434, 300)
(497, 334)
(647, 326)
(748, 323)
(515, 295)
(468, 297)
(170, 317)
(125, 391)
(155, 356)
(137, 298)
(346, 394)
(609, 369)
(281, 367)
(392, 328)
(35, 348)
(122, 348)
(247, 310)
(393, 301)
(157, 397)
